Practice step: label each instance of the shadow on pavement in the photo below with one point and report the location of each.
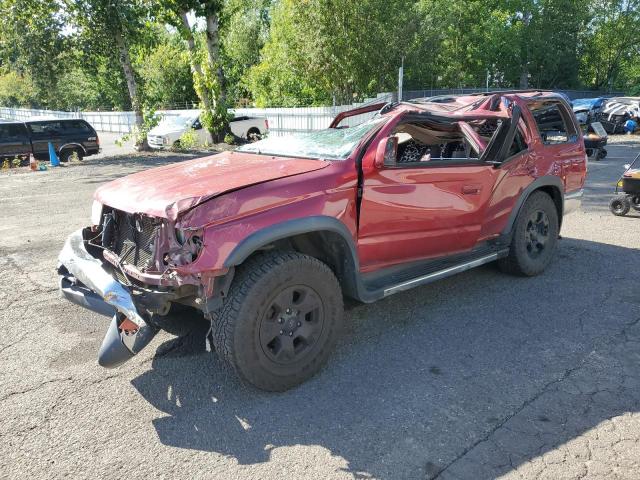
(469, 377)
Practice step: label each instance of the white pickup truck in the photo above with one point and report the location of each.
(168, 132)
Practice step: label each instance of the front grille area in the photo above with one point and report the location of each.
(135, 238)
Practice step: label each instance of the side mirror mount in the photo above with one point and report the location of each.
(386, 152)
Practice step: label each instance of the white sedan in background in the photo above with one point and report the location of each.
(168, 132)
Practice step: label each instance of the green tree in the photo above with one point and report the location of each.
(164, 69)
(17, 90)
(206, 68)
(611, 53)
(245, 30)
(32, 42)
(324, 50)
(109, 27)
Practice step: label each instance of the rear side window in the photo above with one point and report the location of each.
(553, 122)
(11, 130)
(46, 128)
(76, 126)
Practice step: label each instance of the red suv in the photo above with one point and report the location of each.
(266, 241)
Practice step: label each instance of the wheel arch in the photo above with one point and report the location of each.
(549, 184)
(325, 238)
(251, 130)
(73, 146)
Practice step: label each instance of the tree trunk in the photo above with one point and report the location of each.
(125, 62)
(213, 49)
(196, 69)
(524, 78)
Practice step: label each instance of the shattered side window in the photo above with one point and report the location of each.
(552, 122)
(330, 144)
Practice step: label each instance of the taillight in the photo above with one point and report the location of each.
(266, 124)
(97, 139)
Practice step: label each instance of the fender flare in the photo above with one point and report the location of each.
(286, 229)
(544, 181)
(348, 271)
(73, 145)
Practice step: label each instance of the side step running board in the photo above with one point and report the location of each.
(446, 272)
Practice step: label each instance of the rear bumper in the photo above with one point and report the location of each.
(85, 282)
(573, 200)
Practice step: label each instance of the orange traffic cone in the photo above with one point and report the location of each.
(32, 163)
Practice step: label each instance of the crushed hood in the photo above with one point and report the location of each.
(167, 191)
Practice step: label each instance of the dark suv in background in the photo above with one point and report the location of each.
(19, 139)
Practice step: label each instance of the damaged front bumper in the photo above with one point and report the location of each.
(85, 282)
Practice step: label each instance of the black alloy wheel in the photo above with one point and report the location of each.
(537, 233)
(292, 324)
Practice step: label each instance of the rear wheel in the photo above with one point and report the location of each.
(620, 205)
(535, 237)
(69, 154)
(280, 320)
(635, 202)
(253, 135)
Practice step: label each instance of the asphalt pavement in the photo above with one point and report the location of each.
(481, 375)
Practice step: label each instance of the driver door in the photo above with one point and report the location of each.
(423, 210)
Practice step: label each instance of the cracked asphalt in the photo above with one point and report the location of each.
(478, 376)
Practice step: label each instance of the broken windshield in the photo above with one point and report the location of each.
(330, 144)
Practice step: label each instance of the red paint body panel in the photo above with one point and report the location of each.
(170, 190)
(403, 215)
(229, 219)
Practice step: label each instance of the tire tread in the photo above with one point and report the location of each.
(247, 276)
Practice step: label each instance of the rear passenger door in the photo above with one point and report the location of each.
(561, 139)
(14, 140)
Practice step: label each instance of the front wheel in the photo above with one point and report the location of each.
(280, 320)
(535, 237)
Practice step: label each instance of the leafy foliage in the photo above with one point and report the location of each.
(124, 54)
(150, 119)
(17, 90)
(165, 72)
(188, 140)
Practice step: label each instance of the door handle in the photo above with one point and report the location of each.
(471, 189)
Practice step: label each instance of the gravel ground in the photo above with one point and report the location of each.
(478, 376)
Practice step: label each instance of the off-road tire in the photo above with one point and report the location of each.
(520, 260)
(238, 324)
(635, 202)
(620, 205)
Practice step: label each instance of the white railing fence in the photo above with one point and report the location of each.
(282, 121)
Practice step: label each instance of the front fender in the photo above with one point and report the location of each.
(287, 229)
